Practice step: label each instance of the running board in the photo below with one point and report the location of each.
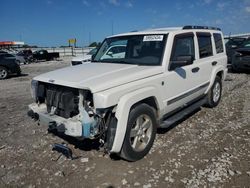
(182, 114)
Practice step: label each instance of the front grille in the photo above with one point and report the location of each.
(62, 100)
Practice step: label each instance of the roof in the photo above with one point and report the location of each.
(168, 29)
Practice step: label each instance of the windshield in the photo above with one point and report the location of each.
(135, 49)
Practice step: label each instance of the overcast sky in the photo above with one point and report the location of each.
(53, 22)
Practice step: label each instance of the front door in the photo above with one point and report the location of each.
(182, 81)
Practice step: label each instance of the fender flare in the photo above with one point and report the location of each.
(122, 113)
(213, 75)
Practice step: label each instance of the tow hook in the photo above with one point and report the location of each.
(63, 149)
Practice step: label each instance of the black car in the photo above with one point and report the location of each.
(241, 57)
(45, 55)
(231, 45)
(8, 66)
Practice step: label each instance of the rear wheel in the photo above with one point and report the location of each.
(140, 134)
(3, 73)
(214, 94)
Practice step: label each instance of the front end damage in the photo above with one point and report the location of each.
(70, 111)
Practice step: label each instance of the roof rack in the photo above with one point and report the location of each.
(164, 29)
(200, 27)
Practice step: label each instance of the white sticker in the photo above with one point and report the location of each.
(152, 38)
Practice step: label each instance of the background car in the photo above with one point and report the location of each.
(241, 57)
(27, 55)
(231, 45)
(116, 51)
(8, 66)
(84, 58)
(45, 55)
(19, 59)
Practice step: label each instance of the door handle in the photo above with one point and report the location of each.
(196, 69)
(214, 63)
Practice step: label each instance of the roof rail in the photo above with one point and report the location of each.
(164, 29)
(200, 27)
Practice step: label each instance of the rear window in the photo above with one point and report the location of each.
(218, 43)
(205, 45)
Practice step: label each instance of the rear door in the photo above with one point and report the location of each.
(205, 59)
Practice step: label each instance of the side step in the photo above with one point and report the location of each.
(182, 114)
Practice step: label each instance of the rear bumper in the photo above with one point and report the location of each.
(70, 126)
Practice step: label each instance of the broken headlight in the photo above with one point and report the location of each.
(34, 86)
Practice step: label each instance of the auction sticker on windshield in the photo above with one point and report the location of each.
(152, 38)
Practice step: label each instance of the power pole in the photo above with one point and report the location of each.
(112, 27)
(89, 38)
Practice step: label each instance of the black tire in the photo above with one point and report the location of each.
(144, 137)
(214, 94)
(3, 73)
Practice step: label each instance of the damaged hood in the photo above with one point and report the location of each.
(98, 76)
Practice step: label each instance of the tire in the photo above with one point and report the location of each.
(214, 94)
(140, 135)
(3, 73)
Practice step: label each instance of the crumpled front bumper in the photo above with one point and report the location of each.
(71, 127)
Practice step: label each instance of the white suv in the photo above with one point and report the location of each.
(164, 75)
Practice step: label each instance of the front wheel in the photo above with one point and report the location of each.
(140, 134)
(214, 94)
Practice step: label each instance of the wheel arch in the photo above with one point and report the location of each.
(221, 72)
(5, 67)
(147, 95)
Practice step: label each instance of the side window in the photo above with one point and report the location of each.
(183, 46)
(183, 51)
(218, 43)
(205, 44)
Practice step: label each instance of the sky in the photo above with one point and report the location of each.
(53, 22)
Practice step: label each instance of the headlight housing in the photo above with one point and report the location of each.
(34, 87)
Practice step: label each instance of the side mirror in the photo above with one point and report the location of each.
(181, 61)
(110, 53)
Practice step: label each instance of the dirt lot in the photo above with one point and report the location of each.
(210, 148)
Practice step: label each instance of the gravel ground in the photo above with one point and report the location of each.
(211, 148)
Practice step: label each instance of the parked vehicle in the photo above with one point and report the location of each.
(8, 66)
(45, 55)
(83, 58)
(231, 45)
(3, 52)
(19, 59)
(115, 51)
(27, 55)
(241, 57)
(164, 75)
